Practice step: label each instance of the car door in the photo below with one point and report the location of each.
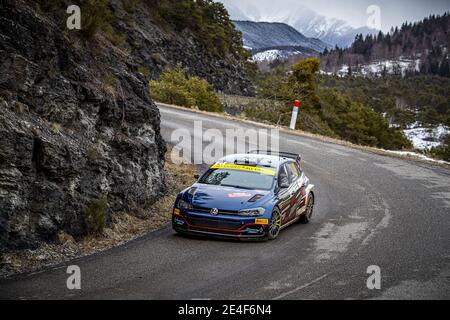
(288, 196)
(294, 189)
(284, 194)
(302, 181)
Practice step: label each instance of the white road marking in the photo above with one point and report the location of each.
(183, 115)
(383, 224)
(284, 295)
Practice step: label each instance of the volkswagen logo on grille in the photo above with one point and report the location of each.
(214, 212)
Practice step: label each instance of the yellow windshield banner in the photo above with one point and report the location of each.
(266, 171)
(295, 169)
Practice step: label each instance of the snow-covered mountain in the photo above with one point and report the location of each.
(260, 35)
(330, 30)
(308, 22)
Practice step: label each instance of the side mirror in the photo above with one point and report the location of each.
(197, 176)
(284, 185)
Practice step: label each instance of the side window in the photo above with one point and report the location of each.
(292, 171)
(283, 176)
(299, 169)
(297, 172)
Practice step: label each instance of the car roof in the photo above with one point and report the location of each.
(260, 160)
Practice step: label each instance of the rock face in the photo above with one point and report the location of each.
(76, 124)
(156, 47)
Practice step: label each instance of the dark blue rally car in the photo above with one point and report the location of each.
(246, 196)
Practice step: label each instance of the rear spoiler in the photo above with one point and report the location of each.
(288, 155)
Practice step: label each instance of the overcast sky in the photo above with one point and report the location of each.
(393, 12)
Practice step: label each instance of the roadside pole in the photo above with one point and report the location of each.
(295, 114)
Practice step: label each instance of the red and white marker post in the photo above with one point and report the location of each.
(295, 114)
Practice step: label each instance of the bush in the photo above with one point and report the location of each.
(129, 6)
(112, 35)
(442, 152)
(356, 123)
(174, 87)
(422, 98)
(95, 16)
(144, 70)
(93, 154)
(94, 216)
(171, 93)
(204, 95)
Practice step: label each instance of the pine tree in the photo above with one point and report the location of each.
(425, 38)
(444, 70)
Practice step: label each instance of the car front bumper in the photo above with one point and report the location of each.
(219, 227)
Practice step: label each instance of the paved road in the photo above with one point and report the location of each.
(371, 210)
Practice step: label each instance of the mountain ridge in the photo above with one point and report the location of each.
(333, 31)
(260, 35)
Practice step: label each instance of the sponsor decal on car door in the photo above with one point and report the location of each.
(284, 195)
(295, 190)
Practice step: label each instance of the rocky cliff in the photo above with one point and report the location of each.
(78, 129)
(76, 125)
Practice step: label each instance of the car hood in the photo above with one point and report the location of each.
(226, 198)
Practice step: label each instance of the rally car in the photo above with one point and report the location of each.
(246, 196)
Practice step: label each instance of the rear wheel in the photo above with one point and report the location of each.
(306, 217)
(275, 224)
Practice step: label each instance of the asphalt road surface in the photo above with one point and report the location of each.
(371, 210)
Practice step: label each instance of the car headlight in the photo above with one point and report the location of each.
(184, 205)
(252, 212)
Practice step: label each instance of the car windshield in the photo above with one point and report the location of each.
(248, 178)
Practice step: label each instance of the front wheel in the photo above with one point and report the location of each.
(306, 217)
(275, 224)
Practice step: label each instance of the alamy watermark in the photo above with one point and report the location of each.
(374, 20)
(199, 146)
(374, 280)
(74, 20)
(74, 280)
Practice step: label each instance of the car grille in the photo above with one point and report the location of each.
(221, 212)
(212, 223)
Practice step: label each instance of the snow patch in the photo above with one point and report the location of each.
(271, 55)
(426, 138)
(398, 66)
(268, 55)
(415, 155)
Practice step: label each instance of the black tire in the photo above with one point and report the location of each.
(178, 232)
(275, 225)
(306, 217)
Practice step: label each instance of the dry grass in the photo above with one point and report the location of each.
(125, 227)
